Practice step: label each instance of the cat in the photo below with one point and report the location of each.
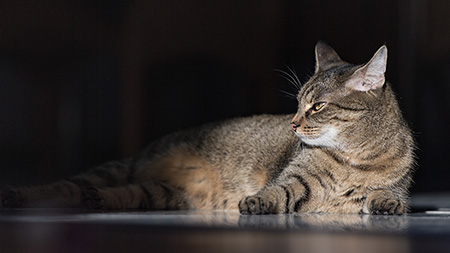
(347, 149)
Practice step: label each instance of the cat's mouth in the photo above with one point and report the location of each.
(322, 137)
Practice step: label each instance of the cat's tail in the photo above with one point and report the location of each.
(68, 193)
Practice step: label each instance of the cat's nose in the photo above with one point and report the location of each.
(294, 126)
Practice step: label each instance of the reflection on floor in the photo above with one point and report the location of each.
(427, 229)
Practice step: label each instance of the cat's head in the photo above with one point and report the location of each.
(341, 101)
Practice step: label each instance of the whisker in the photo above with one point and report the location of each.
(292, 70)
(288, 94)
(309, 74)
(289, 78)
(311, 131)
(292, 82)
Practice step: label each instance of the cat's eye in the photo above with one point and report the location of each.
(318, 106)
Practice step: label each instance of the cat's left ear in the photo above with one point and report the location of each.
(325, 56)
(371, 75)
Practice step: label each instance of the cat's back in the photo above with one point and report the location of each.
(244, 143)
(254, 133)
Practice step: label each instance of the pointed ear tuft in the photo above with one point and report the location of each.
(371, 75)
(325, 56)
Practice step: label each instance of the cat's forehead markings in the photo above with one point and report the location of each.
(309, 97)
(303, 94)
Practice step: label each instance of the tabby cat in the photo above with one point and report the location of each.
(346, 150)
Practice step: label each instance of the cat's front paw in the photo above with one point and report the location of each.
(92, 199)
(11, 198)
(256, 205)
(381, 203)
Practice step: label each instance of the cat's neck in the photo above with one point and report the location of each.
(374, 153)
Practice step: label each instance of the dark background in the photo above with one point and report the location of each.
(87, 81)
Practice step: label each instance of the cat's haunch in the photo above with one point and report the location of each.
(346, 150)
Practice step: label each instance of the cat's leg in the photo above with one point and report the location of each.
(67, 193)
(147, 196)
(285, 195)
(59, 194)
(384, 202)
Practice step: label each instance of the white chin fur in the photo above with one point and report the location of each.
(328, 138)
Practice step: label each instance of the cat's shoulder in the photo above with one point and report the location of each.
(261, 119)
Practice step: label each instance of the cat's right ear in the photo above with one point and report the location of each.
(325, 56)
(371, 75)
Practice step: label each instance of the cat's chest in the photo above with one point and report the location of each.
(333, 177)
(344, 194)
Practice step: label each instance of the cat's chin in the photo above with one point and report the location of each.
(327, 138)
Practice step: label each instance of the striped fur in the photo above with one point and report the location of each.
(350, 152)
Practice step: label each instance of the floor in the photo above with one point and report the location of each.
(426, 229)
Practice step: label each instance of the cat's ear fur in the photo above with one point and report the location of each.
(371, 75)
(325, 56)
